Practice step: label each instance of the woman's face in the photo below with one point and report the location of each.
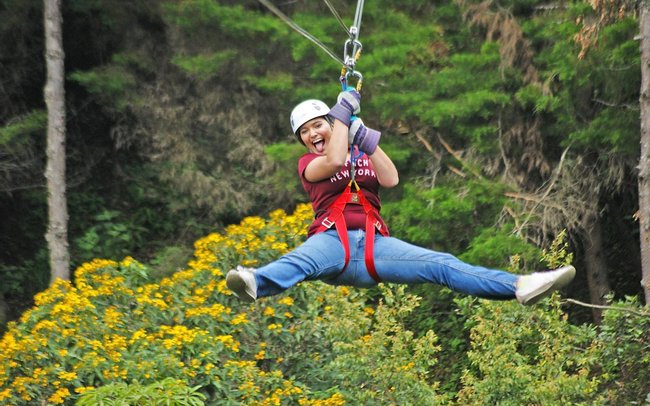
(315, 134)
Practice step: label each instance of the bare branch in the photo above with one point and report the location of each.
(617, 308)
(556, 176)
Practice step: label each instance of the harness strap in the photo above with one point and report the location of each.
(372, 225)
(336, 218)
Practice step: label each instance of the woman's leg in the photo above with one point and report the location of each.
(399, 262)
(320, 257)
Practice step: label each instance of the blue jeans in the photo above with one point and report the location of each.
(321, 257)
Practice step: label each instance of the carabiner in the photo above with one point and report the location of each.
(351, 52)
(359, 78)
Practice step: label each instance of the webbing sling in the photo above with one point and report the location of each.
(336, 218)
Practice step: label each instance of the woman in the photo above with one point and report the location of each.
(325, 174)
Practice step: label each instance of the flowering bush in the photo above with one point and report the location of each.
(113, 326)
(117, 336)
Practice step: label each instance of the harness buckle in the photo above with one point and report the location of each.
(327, 222)
(378, 225)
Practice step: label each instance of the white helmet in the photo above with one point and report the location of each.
(306, 111)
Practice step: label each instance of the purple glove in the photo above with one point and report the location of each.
(348, 103)
(363, 137)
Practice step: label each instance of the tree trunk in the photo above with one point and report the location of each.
(4, 310)
(57, 230)
(644, 160)
(597, 276)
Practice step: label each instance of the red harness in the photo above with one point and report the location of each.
(335, 217)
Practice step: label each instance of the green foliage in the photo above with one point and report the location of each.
(272, 82)
(445, 217)
(536, 356)
(616, 129)
(237, 21)
(438, 312)
(388, 365)
(108, 237)
(169, 260)
(222, 37)
(285, 156)
(182, 100)
(166, 392)
(114, 334)
(623, 348)
(498, 247)
(110, 85)
(558, 253)
(204, 66)
(594, 100)
(17, 131)
(521, 355)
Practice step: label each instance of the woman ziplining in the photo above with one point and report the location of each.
(348, 242)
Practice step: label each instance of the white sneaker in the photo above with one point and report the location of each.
(534, 287)
(242, 282)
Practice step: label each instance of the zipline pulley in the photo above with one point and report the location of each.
(352, 50)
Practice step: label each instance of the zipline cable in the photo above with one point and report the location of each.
(337, 15)
(300, 30)
(357, 19)
(351, 48)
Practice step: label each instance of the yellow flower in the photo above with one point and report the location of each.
(223, 289)
(239, 319)
(406, 367)
(274, 326)
(229, 342)
(5, 394)
(249, 262)
(286, 301)
(269, 311)
(112, 317)
(59, 396)
(83, 389)
(67, 376)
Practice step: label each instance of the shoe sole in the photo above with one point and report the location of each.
(567, 273)
(235, 283)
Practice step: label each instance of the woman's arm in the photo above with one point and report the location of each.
(385, 169)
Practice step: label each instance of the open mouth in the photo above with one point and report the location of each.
(319, 145)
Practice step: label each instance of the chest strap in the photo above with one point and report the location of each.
(335, 217)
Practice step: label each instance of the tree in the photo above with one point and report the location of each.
(57, 230)
(644, 160)
(607, 13)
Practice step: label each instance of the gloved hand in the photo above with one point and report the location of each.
(363, 137)
(347, 103)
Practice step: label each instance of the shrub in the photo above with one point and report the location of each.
(166, 392)
(624, 340)
(521, 355)
(115, 333)
(113, 325)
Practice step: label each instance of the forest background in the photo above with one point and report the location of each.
(510, 128)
